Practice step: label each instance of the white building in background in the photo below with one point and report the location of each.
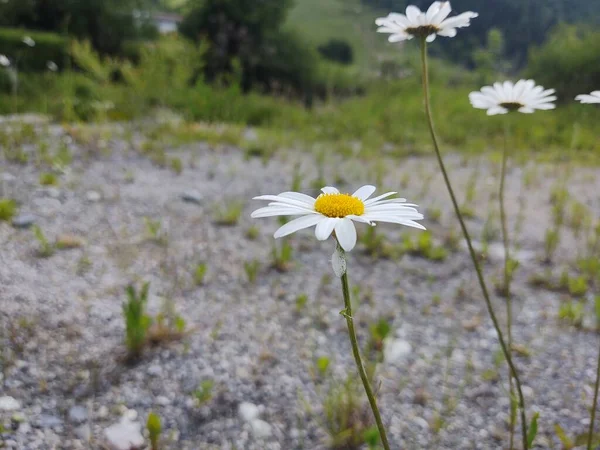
(166, 22)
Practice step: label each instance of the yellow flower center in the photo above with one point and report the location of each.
(339, 205)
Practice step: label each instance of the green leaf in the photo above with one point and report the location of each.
(533, 429)
(560, 433)
(154, 427)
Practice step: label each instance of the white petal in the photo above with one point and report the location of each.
(526, 110)
(399, 37)
(497, 110)
(330, 190)
(433, 10)
(481, 101)
(448, 32)
(298, 196)
(376, 199)
(306, 209)
(279, 199)
(413, 13)
(360, 219)
(444, 11)
(364, 192)
(325, 228)
(431, 37)
(460, 21)
(346, 234)
(400, 221)
(271, 211)
(298, 224)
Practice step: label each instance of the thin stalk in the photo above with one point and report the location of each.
(594, 405)
(507, 280)
(472, 253)
(347, 313)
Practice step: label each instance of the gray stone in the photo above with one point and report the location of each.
(48, 421)
(261, 429)
(192, 197)
(83, 432)
(395, 351)
(78, 414)
(154, 370)
(9, 404)
(248, 411)
(125, 435)
(93, 196)
(23, 221)
(250, 134)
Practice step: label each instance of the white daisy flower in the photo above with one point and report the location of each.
(333, 211)
(27, 40)
(594, 97)
(4, 61)
(523, 96)
(416, 23)
(52, 66)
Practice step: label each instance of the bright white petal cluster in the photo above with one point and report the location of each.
(4, 61)
(594, 97)
(416, 23)
(27, 40)
(523, 96)
(333, 211)
(52, 66)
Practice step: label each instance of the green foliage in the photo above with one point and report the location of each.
(337, 50)
(204, 393)
(154, 429)
(572, 313)
(106, 23)
(48, 179)
(46, 248)
(322, 365)
(155, 232)
(48, 47)
(301, 302)
(252, 233)
(137, 322)
(229, 214)
(551, 241)
(569, 62)
(251, 268)
(200, 274)
(8, 209)
(424, 246)
(533, 429)
(282, 256)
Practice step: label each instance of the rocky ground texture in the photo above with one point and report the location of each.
(246, 373)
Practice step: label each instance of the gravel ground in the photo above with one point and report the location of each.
(64, 381)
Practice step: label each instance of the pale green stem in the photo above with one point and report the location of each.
(507, 279)
(347, 313)
(594, 404)
(472, 253)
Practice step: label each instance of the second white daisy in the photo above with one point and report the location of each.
(334, 211)
(594, 97)
(523, 96)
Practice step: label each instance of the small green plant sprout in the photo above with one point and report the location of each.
(577, 286)
(155, 231)
(153, 426)
(424, 247)
(282, 256)
(48, 179)
(597, 311)
(375, 244)
(371, 436)
(69, 242)
(230, 214)
(378, 333)
(297, 178)
(500, 286)
(251, 268)
(322, 366)
(301, 302)
(252, 233)
(8, 209)
(200, 274)
(434, 214)
(46, 248)
(572, 313)
(176, 165)
(137, 322)
(551, 241)
(204, 393)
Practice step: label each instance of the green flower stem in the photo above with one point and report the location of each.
(507, 279)
(347, 313)
(594, 405)
(480, 278)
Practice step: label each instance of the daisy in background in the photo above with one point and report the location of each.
(523, 96)
(334, 212)
(415, 23)
(594, 97)
(4, 61)
(28, 41)
(51, 66)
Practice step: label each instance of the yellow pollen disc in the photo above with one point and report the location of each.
(339, 205)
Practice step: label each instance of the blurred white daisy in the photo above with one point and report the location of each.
(594, 97)
(333, 211)
(51, 65)
(28, 41)
(523, 96)
(416, 23)
(4, 61)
